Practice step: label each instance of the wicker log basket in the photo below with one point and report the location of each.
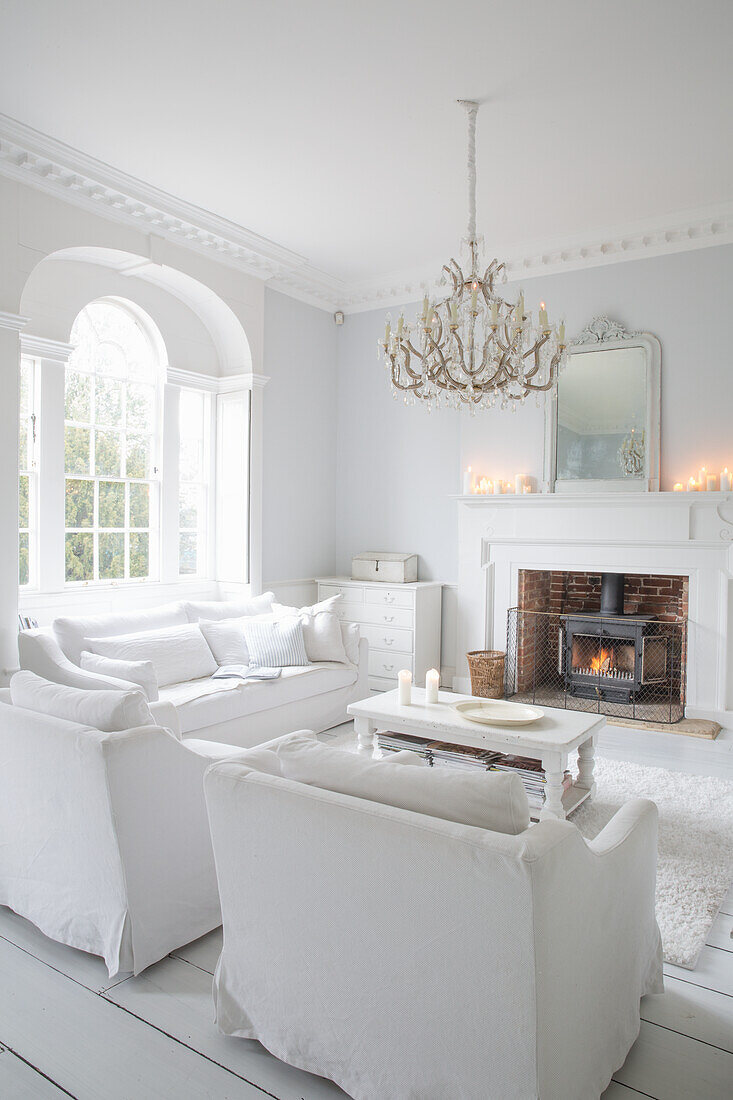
(487, 673)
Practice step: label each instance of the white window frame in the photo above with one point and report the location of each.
(31, 428)
(153, 530)
(205, 484)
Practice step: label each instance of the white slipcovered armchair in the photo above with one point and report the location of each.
(104, 840)
(413, 958)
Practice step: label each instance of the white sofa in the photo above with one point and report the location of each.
(315, 696)
(104, 840)
(414, 958)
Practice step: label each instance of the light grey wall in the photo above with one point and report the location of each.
(299, 460)
(397, 466)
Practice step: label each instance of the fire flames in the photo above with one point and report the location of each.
(602, 663)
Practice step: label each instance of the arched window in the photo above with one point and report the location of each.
(112, 441)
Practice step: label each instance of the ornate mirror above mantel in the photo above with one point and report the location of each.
(602, 420)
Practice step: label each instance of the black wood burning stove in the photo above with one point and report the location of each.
(609, 655)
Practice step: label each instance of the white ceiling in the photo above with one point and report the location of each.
(331, 127)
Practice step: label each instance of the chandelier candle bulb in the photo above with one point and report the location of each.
(725, 481)
(561, 333)
(404, 687)
(400, 326)
(432, 680)
(494, 313)
(543, 317)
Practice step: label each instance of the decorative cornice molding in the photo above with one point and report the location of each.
(229, 383)
(56, 168)
(39, 347)
(13, 321)
(49, 165)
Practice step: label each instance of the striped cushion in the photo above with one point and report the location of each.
(276, 644)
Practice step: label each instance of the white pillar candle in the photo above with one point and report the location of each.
(702, 478)
(710, 483)
(404, 681)
(519, 480)
(431, 685)
(725, 481)
(691, 485)
(497, 485)
(467, 481)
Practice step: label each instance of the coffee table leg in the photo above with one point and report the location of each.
(586, 762)
(554, 774)
(365, 730)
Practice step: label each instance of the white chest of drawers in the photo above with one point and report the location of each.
(401, 622)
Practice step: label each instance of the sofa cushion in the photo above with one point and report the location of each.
(177, 652)
(350, 635)
(228, 609)
(71, 632)
(489, 800)
(141, 673)
(277, 643)
(295, 683)
(108, 711)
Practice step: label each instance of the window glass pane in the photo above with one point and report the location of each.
(23, 501)
(23, 558)
(77, 450)
(80, 556)
(190, 460)
(107, 454)
(111, 504)
(188, 507)
(79, 503)
(187, 547)
(78, 396)
(140, 400)
(25, 389)
(111, 556)
(139, 505)
(23, 446)
(138, 456)
(108, 401)
(110, 359)
(139, 554)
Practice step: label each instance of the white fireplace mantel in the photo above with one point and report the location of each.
(673, 533)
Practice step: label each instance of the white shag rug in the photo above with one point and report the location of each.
(695, 863)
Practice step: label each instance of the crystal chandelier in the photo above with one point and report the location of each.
(473, 348)
(631, 454)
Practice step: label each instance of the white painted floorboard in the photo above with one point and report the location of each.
(150, 1037)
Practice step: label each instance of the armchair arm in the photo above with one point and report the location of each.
(39, 652)
(635, 822)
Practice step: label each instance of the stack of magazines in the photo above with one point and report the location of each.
(532, 775)
(461, 756)
(396, 742)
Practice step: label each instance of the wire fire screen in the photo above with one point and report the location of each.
(628, 667)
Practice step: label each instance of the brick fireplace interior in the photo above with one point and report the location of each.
(565, 648)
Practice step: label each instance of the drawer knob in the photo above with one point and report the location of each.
(388, 618)
(387, 668)
(389, 641)
(389, 599)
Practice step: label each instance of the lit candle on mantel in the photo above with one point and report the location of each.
(519, 480)
(691, 485)
(497, 486)
(710, 484)
(432, 680)
(678, 487)
(467, 481)
(404, 681)
(725, 481)
(702, 478)
(527, 487)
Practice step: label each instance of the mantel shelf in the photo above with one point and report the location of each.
(581, 500)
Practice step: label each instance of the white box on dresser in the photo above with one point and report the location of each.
(401, 622)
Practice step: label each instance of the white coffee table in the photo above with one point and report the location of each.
(550, 739)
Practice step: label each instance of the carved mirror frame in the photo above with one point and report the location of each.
(604, 334)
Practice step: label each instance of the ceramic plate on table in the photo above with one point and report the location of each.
(498, 712)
